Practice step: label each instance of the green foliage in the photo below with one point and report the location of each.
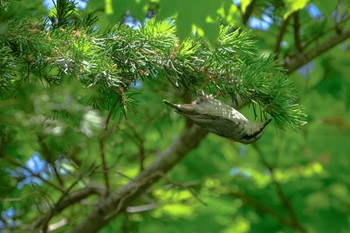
(10, 9)
(112, 64)
(81, 115)
(293, 6)
(63, 10)
(205, 19)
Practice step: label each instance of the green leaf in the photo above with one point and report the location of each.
(293, 5)
(245, 4)
(203, 19)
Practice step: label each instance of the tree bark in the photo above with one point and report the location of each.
(303, 58)
(119, 200)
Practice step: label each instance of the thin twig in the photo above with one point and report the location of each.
(52, 212)
(66, 200)
(125, 176)
(49, 156)
(119, 200)
(110, 113)
(296, 26)
(318, 35)
(280, 35)
(262, 207)
(134, 189)
(296, 62)
(17, 199)
(104, 164)
(141, 208)
(283, 198)
(102, 146)
(176, 184)
(141, 144)
(18, 164)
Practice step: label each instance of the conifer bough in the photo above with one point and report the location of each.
(220, 118)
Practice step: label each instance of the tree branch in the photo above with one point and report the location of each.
(102, 146)
(293, 217)
(248, 12)
(299, 60)
(296, 25)
(104, 164)
(18, 164)
(262, 207)
(64, 202)
(141, 208)
(184, 186)
(49, 158)
(140, 143)
(118, 201)
(280, 35)
(77, 196)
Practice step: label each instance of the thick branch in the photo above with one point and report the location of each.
(68, 200)
(301, 59)
(77, 196)
(119, 200)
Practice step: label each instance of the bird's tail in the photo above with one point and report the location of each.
(181, 108)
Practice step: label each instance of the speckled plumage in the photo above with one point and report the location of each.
(220, 118)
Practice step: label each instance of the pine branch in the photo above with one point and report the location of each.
(235, 66)
(64, 9)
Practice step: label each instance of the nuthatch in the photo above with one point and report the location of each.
(220, 118)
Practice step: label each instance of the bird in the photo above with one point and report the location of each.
(220, 118)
